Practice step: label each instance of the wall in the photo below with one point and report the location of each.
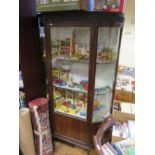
(127, 52)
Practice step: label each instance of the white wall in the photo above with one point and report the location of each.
(127, 51)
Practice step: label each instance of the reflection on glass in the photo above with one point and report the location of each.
(70, 57)
(105, 70)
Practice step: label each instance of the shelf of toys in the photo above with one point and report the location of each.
(70, 97)
(105, 56)
(70, 66)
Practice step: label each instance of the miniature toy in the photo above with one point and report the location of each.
(83, 113)
(56, 47)
(59, 82)
(56, 73)
(83, 85)
(57, 103)
(72, 111)
(125, 82)
(70, 82)
(79, 103)
(64, 71)
(73, 106)
(96, 104)
(105, 55)
(65, 47)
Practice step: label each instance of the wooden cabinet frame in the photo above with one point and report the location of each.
(59, 122)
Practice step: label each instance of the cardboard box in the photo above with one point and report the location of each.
(117, 139)
(61, 5)
(107, 5)
(125, 96)
(133, 98)
(121, 117)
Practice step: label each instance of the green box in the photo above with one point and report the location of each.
(61, 5)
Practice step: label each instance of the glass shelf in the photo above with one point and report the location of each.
(70, 59)
(78, 116)
(97, 92)
(69, 88)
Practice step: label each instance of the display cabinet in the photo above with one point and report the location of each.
(82, 51)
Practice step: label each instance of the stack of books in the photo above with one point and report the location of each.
(125, 147)
(124, 130)
(108, 149)
(125, 78)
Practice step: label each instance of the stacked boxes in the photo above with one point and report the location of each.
(61, 5)
(88, 5)
(125, 84)
(107, 5)
(41, 126)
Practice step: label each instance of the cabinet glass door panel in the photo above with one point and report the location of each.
(107, 51)
(70, 48)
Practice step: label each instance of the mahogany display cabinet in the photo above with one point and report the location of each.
(82, 51)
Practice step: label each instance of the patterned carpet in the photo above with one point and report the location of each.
(66, 149)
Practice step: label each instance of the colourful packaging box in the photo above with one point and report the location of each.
(107, 5)
(41, 126)
(61, 5)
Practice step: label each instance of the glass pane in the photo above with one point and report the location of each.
(107, 48)
(70, 57)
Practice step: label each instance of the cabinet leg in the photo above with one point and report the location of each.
(88, 152)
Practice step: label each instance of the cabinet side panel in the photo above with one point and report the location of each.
(30, 51)
(71, 128)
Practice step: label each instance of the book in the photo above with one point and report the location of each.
(104, 150)
(112, 148)
(127, 108)
(131, 126)
(124, 130)
(126, 147)
(108, 149)
(117, 149)
(121, 130)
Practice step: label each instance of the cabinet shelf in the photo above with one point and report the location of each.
(69, 88)
(76, 116)
(85, 62)
(81, 91)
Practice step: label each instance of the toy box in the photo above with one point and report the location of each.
(61, 5)
(107, 5)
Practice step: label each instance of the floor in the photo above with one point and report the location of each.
(66, 149)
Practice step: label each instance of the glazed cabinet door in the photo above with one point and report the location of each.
(106, 61)
(70, 50)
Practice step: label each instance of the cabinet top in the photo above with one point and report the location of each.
(90, 17)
